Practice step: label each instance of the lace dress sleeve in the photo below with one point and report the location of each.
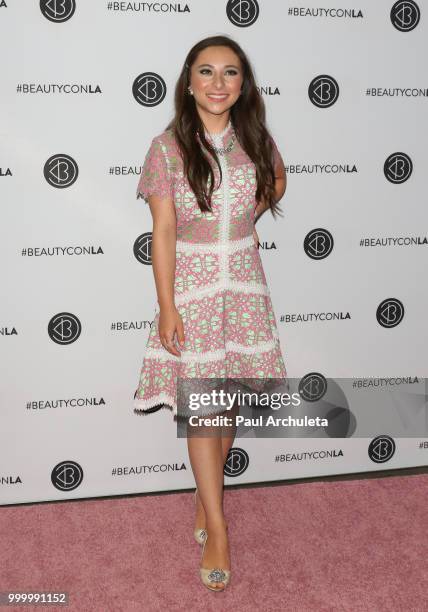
(155, 177)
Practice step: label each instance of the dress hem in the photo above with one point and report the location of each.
(143, 406)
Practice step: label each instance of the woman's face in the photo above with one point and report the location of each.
(216, 79)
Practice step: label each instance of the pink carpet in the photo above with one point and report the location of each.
(353, 545)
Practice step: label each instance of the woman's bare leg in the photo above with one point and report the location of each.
(207, 453)
(227, 438)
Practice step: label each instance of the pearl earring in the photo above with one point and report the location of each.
(190, 91)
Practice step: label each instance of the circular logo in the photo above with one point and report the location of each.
(405, 15)
(58, 11)
(318, 243)
(312, 387)
(390, 312)
(242, 13)
(67, 475)
(323, 91)
(149, 89)
(64, 328)
(60, 171)
(381, 449)
(237, 462)
(398, 167)
(143, 248)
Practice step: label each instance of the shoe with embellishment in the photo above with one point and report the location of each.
(199, 533)
(214, 575)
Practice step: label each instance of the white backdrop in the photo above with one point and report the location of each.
(346, 97)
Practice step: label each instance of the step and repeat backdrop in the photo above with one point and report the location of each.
(84, 89)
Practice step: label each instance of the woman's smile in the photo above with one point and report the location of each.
(217, 97)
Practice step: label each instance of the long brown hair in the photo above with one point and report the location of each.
(248, 119)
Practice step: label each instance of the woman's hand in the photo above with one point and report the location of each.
(170, 325)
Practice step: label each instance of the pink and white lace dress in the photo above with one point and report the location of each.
(220, 287)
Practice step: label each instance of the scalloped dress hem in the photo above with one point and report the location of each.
(144, 406)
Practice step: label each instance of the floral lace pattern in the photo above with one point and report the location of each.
(220, 287)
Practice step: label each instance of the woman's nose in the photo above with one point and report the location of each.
(218, 81)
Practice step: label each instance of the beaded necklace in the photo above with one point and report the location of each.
(217, 139)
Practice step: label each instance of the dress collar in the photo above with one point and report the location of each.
(220, 136)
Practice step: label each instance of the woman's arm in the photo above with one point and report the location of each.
(164, 237)
(280, 187)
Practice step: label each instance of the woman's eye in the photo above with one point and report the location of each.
(231, 71)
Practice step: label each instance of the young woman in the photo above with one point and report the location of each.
(207, 178)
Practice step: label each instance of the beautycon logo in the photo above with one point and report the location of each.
(67, 475)
(405, 15)
(312, 387)
(242, 13)
(323, 91)
(318, 243)
(398, 167)
(149, 89)
(64, 328)
(390, 312)
(381, 449)
(58, 11)
(143, 249)
(61, 171)
(237, 462)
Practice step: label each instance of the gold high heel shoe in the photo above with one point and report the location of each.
(214, 575)
(199, 533)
